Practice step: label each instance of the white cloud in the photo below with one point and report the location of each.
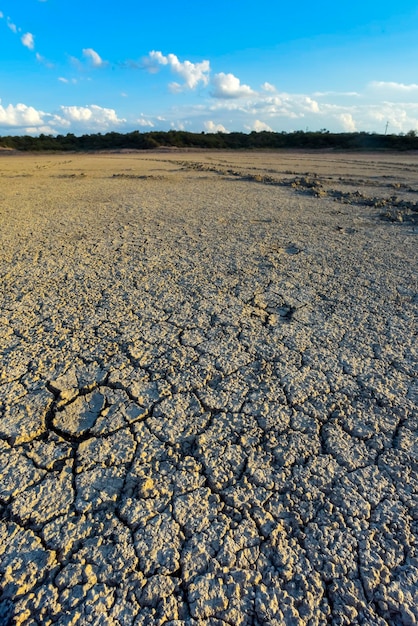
(43, 61)
(94, 117)
(236, 106)
(325, 94)
(20, 115)
(12, 26)
(226, 103)
(191, 73)
(284, 111)
(67, 81)
(1, 15)
(179, 125)
(94, 58)
(175, 87)
(28, 41)
(77, 114)
(310, 105)
(259, 126)
(268, 87)
(400, 116)
(347, 122)
(155, 58)
(211, 127)
(141, 121)
(291, 106)
(379, 84)
(36, 130)
(229, 86)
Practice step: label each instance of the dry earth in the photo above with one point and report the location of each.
(208, 389)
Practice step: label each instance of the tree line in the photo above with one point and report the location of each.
(267, 140)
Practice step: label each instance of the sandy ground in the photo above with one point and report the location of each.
(208, 389)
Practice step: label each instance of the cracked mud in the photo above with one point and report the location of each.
(208, 389)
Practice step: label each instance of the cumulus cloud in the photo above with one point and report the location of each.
(92, 116)
(76, 113)
(191, 73)
(228, 99)
(286, 111)
(281, 105)
(259, 126)
(347, 122)
(20, 115)
(310, 105)
(212, 127)
(400, 116)
(365, 111)
(229, 86)
(28, 41)
(94, 58)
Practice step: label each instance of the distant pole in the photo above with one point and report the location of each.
(386, 129)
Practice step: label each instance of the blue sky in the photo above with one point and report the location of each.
(233, 65)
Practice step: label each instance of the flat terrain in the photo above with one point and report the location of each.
(208, 389)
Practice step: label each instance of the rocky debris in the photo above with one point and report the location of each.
(208, 406)
(397, 209)
(139, 176)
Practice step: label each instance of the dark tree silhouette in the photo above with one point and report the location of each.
(265, 140)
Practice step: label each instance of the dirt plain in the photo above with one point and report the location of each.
(208, 389)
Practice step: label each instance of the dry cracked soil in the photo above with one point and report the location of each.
(208, 389)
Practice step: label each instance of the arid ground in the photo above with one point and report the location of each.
(208, 389)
